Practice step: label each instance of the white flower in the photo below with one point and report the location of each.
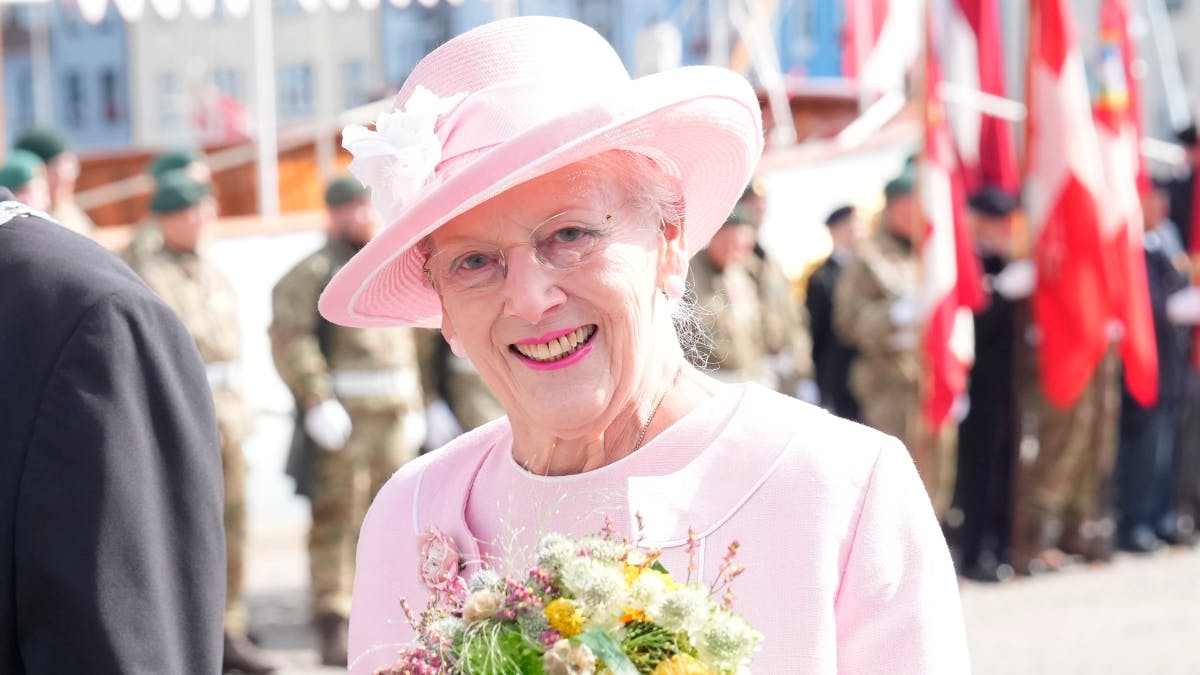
(597, 587)
(555, 551)
(647, 591)
(397, 158)
(565, 658)
(685, 608)
(447, 628)
(485, 580)
(482, 605)
(726, 641)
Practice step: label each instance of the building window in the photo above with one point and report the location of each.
(168, 101)
(296, 91)
(354, 84)
(229, 82)
(23, 113)
(598, 14)
(286, 7)
(435, 26)
(74, 97)
(111, 95)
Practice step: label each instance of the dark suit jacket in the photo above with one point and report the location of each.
(831, 357)
(112, 552)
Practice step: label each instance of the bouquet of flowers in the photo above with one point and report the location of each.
(593, 604)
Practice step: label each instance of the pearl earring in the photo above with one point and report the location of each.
(673, 287)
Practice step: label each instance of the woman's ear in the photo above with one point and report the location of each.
(673, 258)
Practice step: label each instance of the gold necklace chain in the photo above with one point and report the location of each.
(654, 411)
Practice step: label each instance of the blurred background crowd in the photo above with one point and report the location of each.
(974, 228)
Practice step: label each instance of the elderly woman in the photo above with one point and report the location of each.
(543, 209)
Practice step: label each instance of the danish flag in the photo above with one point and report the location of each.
(1066, 184)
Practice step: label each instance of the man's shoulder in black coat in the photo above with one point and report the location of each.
(111, 544)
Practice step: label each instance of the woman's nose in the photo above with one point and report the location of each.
(530, 289)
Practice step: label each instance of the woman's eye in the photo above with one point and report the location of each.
(472, 262)
(569, 234)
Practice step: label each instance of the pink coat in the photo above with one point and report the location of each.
(847, 570)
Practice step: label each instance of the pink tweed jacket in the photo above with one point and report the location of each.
(847, 570)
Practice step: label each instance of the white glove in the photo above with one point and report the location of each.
(415, 428)
(328, 424)
(960, 408)
(904, 312)
(1017, 280)
(1183, 307)
(441, 424)
(807, 391)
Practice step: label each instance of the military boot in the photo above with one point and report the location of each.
(241, 656)
(331, 637)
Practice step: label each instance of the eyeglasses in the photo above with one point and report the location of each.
(558, 243)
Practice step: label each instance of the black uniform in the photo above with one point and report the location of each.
(831, 357)
(112, 553)
(988, 437)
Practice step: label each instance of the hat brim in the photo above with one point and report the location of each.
(701, 123)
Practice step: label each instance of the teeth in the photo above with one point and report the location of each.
(558, 347)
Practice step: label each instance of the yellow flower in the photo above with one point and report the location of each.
(682, 664)
(632, 572)
(564, 617)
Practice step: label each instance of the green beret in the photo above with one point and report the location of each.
(900, 185)
(742, 214)
(171, 160)
(45, 143)
(176, 192)
(20, 167)
(343, 190)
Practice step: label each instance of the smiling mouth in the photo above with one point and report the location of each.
(557, 349)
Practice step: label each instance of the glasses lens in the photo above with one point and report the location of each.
(468, 267)
(563, 244)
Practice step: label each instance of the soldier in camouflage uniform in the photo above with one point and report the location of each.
(62, 170)
(786, 335)
(735, 348)
(456, 397)
(146, 238)
(876, 310)
(359, 404)
(206, 303)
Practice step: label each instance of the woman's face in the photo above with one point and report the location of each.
(565, 350)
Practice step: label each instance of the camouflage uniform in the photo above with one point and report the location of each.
(786, 335)
(886, 375)
(373, 374)
(730, 308)
(455, 380)
(1063, 494)
(206, 303)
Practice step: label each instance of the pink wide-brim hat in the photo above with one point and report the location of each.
(517, 99)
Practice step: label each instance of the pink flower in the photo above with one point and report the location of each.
(439, 560)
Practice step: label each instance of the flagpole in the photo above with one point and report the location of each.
(1019, 545)
(925, 431)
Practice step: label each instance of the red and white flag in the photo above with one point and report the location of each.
(1065, 187)
(951, 281)
(1118, 126)
(881, 43)
(972, 58)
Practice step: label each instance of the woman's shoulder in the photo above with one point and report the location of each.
(817, 443)
(458, 458)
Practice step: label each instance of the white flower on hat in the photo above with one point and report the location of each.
(396, 158)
